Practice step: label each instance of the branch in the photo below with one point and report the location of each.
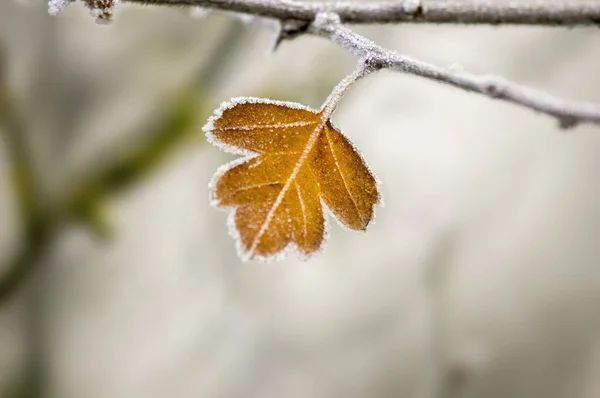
(522, 12)
(568, 113)
(326, 19)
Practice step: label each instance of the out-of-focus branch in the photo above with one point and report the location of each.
(177, 126)
(568, 113)
(21, 163)
(83, 202)
(24, 182)
(522, 12)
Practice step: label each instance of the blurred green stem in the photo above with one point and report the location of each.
(36, 226)
(24, 181)
(179, 125)
(84, 201)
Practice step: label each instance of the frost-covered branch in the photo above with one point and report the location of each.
(527, 12)
(326, 20)
(101, 10)
(568, 113)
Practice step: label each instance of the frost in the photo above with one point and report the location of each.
(56, 6)
(456, 68)
(198, 12)
(411, 6)
(102, 10)
(262, 121)
(325, 18)
(255, 20)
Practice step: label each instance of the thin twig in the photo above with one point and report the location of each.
(362, 70)
(568, 113)
(522, 12)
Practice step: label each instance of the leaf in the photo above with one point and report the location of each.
(294, 164)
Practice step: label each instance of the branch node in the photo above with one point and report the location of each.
(290, 29)
(413, 7)
(373, 62)
(567, 122)
(493, 90)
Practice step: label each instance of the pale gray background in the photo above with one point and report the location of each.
(504, 202)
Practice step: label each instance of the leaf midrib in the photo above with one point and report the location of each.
(279, 199)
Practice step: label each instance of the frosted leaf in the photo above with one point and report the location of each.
(296, 168)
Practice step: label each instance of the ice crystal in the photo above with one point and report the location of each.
(102, 10)
(56, 6)
(199, 12)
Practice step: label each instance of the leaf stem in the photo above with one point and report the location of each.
(364, 68)
(568, 113)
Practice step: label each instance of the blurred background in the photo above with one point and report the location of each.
(479, 278)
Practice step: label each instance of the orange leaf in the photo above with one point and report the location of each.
(294, 163)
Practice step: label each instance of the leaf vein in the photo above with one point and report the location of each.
(303, 207)
(265, 126)
(337, 166)
(264, 184)
(263, 228)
